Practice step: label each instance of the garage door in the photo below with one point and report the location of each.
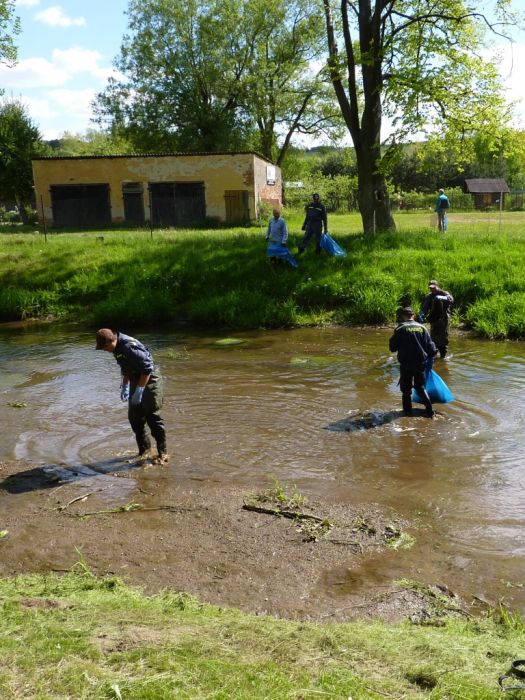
(177, 203)
(80, 206)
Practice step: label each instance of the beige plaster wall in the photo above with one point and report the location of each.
(219, 172)
(270, 194)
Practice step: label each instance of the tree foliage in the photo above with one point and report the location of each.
(20, 141)
(9, 28)
(218, 75)
(92, 143)
(419, 63)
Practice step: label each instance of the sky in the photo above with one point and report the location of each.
(65, 55)
(66, 52)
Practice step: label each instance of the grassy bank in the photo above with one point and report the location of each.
(82, 637)
(222, 277)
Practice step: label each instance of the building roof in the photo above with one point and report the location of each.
(486, 185)
(159, 155)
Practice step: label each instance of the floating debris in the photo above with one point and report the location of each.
(230, 341)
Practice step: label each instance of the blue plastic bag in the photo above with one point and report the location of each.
(278, 250)
(437, 390)
(331, 247)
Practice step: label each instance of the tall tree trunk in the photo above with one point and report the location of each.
(365, 130)
(373, 198)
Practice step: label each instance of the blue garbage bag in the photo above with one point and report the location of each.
(278, 250)
(331, 247)
(437, 390)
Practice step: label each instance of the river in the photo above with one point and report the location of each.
(318, 408)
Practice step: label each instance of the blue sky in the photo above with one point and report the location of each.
(66, 51)
(65, 55)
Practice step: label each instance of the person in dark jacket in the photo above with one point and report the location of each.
(315, 223)
(141, 387)
(436, 309)
(415, 352)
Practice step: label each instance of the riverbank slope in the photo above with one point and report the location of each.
(222, 278)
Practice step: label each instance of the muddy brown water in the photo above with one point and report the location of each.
(318, 408)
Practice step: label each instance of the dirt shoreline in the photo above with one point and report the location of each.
(195, 536)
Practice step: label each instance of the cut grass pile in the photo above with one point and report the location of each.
(77, 636)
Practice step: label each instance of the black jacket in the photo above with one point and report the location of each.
(315, 214)
(413, 344)
(436, 307)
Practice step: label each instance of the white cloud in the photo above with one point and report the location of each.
(33, 73)
(50, 109)
(55, 17)
(63, 67)
(27, 3)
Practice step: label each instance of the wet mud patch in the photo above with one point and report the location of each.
(177, 534)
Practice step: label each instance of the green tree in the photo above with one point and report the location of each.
(92, 143)
(20, 141)
(417, 63)
(218, 75)
(9, 28)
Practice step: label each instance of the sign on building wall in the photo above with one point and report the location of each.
(270, 174)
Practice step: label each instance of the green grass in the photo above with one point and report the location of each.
(85, 638)
(222, 278)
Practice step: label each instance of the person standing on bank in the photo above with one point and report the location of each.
(436, 309)
(277, 231)
(415, 352)
(441, 207)
(315, 224)
(141, 386)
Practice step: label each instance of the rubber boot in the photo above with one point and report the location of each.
(407, 405)
(144, 445)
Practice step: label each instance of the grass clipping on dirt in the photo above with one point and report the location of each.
(78, 636)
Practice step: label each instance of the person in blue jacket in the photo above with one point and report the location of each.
(315, 223)
(415, 352)
(277, 236)
(277, 232)
(141, 387)
(441, 207)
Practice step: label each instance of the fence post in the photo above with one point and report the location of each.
(43, 217)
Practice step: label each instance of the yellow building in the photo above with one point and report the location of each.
(168, 190)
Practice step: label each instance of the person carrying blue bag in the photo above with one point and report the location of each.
(277, 235)
(315, 223)
(415, 352)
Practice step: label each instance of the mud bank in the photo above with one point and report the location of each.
(198, 537)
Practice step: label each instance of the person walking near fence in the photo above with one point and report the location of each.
(141, 387)
(436, 309)
(441, 207)
(315, 223)
(415, 352)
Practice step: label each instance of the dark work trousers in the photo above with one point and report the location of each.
(439, 334)
(148, 412)
(409, 378)
(313, 228)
